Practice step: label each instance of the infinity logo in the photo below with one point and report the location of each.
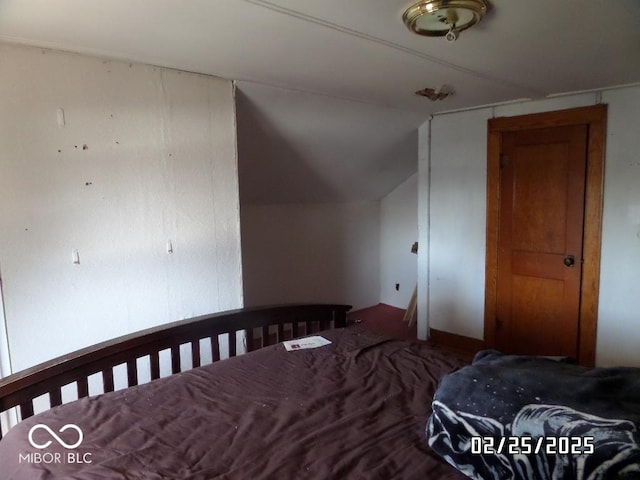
(56, 437)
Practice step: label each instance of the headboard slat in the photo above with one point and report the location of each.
(26, 409)
(107, 380)
(195, 353)
(55, 397)
(215, 348)
(175, 359)
(132, 372)
(280, 333)
(82, 385)
(154, 365)
(250, 339)
(233, 338)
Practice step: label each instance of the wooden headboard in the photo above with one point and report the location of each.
(48, 378)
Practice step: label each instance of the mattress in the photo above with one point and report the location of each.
(356, 408)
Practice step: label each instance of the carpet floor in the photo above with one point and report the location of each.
(385, 319)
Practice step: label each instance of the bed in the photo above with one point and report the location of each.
(353, 408)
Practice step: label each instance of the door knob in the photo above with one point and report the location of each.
(569, 260)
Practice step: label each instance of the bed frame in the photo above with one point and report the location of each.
(262, 326)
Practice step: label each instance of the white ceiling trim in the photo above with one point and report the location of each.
(525, 100)
(593, 90)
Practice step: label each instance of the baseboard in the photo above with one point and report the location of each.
(458, 342)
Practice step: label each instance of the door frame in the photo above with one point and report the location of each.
(595, 118)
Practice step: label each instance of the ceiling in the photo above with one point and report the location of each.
(326, 104)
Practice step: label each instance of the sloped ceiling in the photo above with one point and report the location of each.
(326, 109)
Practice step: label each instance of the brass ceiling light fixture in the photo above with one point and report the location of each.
(444, 18)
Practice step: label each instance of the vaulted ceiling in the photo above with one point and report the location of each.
(326, 103)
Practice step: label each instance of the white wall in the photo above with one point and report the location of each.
(311, 253)
(398, 231)
(457, 223)
(452, 191)
(619, 312)
(145, 156)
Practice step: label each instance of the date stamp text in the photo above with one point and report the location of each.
(524, 445)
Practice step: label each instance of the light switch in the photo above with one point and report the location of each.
(60, 115)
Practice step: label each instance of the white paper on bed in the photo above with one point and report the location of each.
(304, 343)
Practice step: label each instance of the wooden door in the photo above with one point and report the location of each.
(543, 327)
(540, 233)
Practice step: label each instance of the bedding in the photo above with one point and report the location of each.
(355, 408)
(522, 417)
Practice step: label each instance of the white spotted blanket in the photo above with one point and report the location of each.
(522, 417)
